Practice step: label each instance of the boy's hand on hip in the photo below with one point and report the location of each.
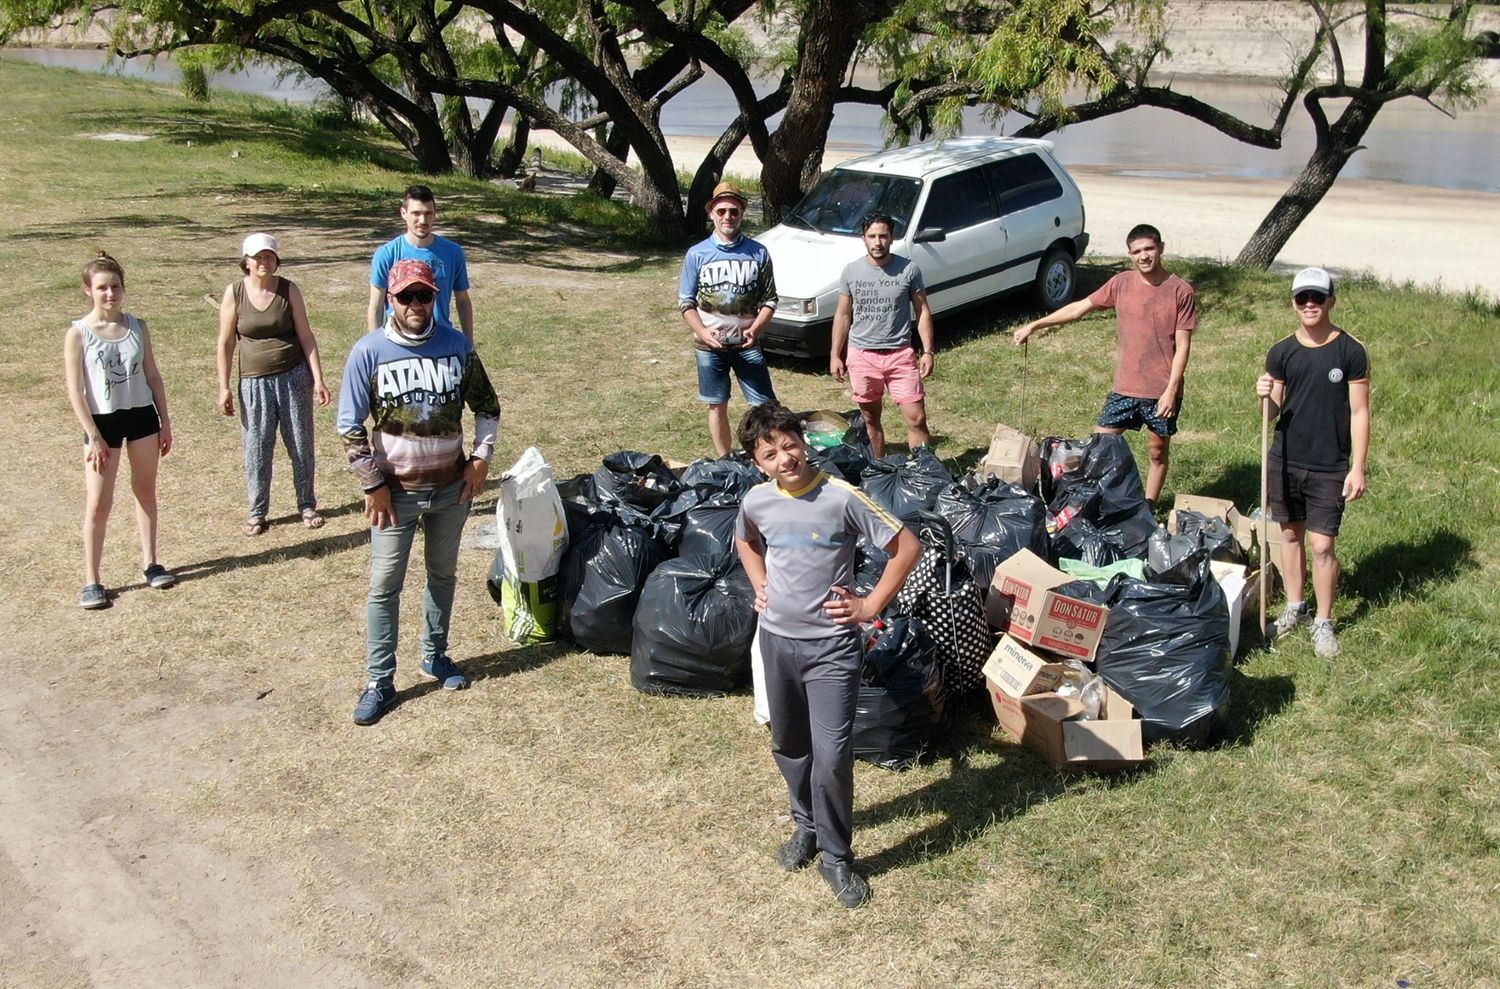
(845, 608)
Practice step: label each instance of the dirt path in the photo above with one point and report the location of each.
(107, 889)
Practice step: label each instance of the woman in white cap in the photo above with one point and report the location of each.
(281, 375)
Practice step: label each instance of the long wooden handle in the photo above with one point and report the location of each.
(1265, 510)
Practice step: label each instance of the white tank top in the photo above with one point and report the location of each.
(112, 375)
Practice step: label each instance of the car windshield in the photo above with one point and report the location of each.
(842, 197)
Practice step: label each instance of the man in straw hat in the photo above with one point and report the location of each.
(727, 295)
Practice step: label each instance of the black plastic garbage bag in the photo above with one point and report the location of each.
(733, 473)
(1077, 502)
(1121, 512)
(603, 571)
(693, 629)
(991, 521)
(1165, 648)
(1214, 534)
(1174, 559)
(869, 566)
(637, 479)
(850, 456)
(1062, 460)
(906, 485)
(900, 696)
(708, 535)
(1080, 540)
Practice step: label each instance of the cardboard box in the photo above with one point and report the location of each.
(1023, 604)
(1019, 671)
(1041, 722)
(1013, 457)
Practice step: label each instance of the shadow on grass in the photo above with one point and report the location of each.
(509, 662)
(1406, 569)
(1239, 482)
(969, 799)
(1252, 700)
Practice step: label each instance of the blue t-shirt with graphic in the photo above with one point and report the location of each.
(446, 259)
(729, 284)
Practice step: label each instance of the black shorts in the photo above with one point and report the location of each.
(1125, 412)
(126, 425)
(1315, 497)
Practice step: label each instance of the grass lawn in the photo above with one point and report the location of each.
(551, 826)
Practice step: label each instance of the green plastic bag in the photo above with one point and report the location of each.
(1101, 575)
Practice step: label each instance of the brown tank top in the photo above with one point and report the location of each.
(267, 337)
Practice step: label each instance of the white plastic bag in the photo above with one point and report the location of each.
(762, 711)
(529, 517)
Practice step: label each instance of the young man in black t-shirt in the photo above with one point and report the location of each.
(1318, 383)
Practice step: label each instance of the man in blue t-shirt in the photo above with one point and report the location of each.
(419, 243)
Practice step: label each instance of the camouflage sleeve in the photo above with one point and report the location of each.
(354, 410)
(479, 395)
(767, 285)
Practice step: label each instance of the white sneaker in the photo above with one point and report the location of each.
(1290, 619)
(1325, 641)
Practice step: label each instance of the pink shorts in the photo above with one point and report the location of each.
(874, 372)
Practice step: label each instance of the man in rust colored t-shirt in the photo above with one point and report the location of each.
(1157, 314)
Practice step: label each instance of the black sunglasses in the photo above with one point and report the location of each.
(727, 211)
(422, 295)
(1316, 298)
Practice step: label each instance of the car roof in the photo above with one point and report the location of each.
(934, 156)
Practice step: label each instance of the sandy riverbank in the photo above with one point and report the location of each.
(1438, 237)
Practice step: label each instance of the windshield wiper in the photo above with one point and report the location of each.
(797, 220)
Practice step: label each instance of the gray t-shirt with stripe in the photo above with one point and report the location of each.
(808, 537)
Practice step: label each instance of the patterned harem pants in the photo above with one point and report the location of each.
(277, 401)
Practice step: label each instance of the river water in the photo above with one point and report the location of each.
(1410, 143)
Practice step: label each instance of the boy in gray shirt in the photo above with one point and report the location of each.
(795, 536)
(874, 317)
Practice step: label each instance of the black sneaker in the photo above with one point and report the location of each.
(377, 699)
(797, 851)
(159, 577)
(849, 887)
(93, 597)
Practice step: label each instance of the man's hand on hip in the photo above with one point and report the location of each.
(476, 472)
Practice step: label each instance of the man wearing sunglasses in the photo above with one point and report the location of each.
(410, 380)
(1317, 382)
(727, 295)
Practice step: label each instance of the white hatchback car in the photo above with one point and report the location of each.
(980, 216)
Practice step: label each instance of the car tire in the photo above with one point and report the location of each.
(1055, 280)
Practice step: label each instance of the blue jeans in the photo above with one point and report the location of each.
(441, 516)
(749, 366)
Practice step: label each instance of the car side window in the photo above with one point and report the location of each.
(1022, 181)
(958, 201)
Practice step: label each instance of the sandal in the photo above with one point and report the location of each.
(254, 527)
(311, 518)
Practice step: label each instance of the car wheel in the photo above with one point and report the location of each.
(1054, 279)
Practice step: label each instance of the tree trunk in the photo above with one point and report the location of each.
(601, 183)
(830, 35)
(1329, 157)
(513, 156)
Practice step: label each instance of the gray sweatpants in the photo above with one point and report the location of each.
(812, 686)
(270, 403)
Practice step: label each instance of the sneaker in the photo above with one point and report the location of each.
(93, 597)
(848, 886)
(444, 669)
(1290, 619)
(797, 851)
(159, 577)
(375, 701)
(1325, 641)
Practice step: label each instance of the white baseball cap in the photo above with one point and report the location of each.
(1313, 278)
(255, 243)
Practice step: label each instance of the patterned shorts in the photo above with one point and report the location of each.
(1124, 412)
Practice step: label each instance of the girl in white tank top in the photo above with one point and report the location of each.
(116, 393)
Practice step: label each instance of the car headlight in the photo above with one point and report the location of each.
(797, 307)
